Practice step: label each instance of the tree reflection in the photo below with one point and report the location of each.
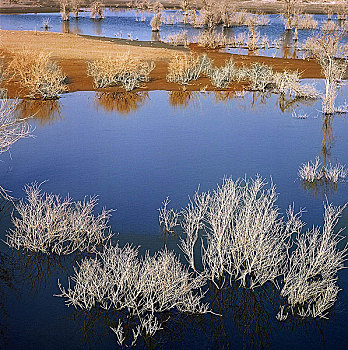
(46, 112)
(121, 102)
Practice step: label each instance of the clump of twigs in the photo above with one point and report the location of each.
(142, 288)
(310, 281)
(49, 224)
(37, 74)
(316, 171)
(184, 68)
(120, 69)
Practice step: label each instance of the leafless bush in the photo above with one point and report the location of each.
(211, 39)
(316, 171)
(142, 288)
(184, 68)
(259, 75)
(76, 7)
(121, 69)
(168, 218)
(46, 23)
(311, 171)
(306, 22)
(11, 129)
(156, 22)
(37, 74)
(330, 26)
(221, 77)
(310, 281)
(289, 82)
(65, 8)
(97, 9)
(329, 52)
(180, 38)
(48, 224)
(245, 237)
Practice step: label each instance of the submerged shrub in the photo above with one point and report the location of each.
(37, 74)
(142, 288)
(310, 281)
(259, 75)
(49, 224)
(97, 9)
(316, 171)
(184, 68)
(246, 239)
(121, 69)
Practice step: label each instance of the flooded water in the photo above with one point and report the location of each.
(133, 150)
(131, 24)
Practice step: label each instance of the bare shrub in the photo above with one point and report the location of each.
(311, 171)
(330, 26)
(327, 49)
(46, 23)
(178, 39)
(221, 77)
(184, 68)
(76, 7)
(121, 69)
(11, 129)
(245, 237)
(211, 39)
(168, 218)
(37, 74)
(65, 8)
(97, 9)
(156, 22)
(310, 281)
(143, 288)
(48, 224)
(306, 22)
(259, 75)
(316, 171)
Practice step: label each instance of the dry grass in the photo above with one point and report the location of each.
(37, 74)
(49, 224)
(120, 69)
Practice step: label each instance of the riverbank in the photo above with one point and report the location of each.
(265, 6)
(72, 52)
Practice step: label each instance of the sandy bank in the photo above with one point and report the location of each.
(73, 52)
